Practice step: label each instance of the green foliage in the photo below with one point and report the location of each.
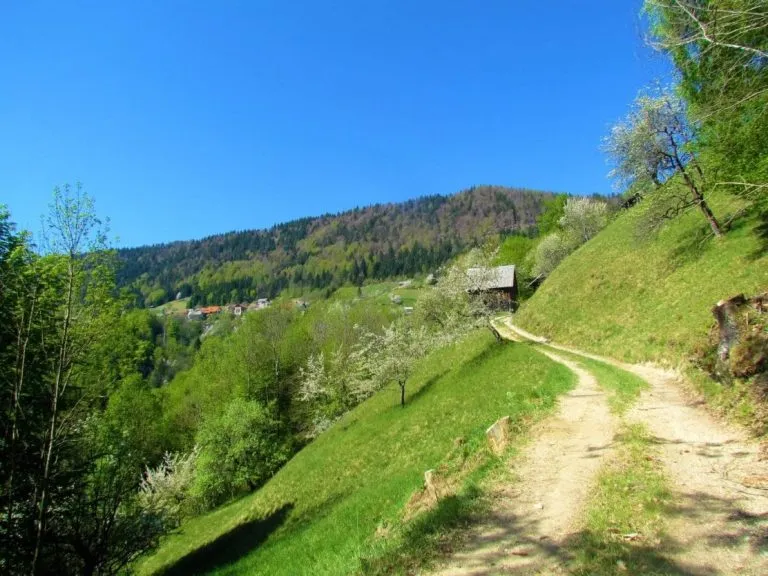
(514, 250)
(71, 387)
(239, 450)
(720, 50)
(358, 475)
(549, 220)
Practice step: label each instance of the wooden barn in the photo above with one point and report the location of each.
(500, 281)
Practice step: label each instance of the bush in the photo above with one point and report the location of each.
(239, 450)
(165, 490)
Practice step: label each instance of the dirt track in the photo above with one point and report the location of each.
(719, 524)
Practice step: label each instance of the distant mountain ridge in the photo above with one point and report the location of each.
(378, 241)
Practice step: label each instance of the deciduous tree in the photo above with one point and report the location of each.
(653, 151)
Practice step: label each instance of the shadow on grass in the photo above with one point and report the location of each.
(427, 537)
(469, 532)
(411, 399)
(470, 365)
(761, 231)
(596, 556)
(229, 547)
(482, 542)
(691, 246)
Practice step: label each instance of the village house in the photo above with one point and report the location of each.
(238, 309)
(194, 314)
(208, 310)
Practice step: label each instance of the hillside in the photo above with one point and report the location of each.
(340, 502)
(649, 298)
(380, 241)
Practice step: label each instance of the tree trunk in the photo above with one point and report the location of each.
(51, 435)
(495, 332)
(402, 394)
(697, 194)
(21, 364)
(713, 223)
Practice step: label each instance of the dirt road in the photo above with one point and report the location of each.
(718, 525)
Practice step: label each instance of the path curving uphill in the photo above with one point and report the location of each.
(531, 519)
(719, 524)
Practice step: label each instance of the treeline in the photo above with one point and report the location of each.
(380, 241)
(407, 261)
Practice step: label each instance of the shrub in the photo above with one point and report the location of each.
(165, 490)
(239, 450)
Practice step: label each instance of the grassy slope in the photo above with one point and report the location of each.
(647, 299)
(172, 307)
(319, 514)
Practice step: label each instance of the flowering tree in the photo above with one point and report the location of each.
(390, 356)
(458, 302)
(583, 218)
(165, 490)
(325, 385)
(548, 254)
(652, 152)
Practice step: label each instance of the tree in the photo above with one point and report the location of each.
(326, 388)
(549, 219)
(548, 254)
(76, 243)
(459, 301)
(720, 49)
(390, 356)
(71, 467)
(697, 27)
(583, 218)
(515, 249)
(652, 151)
(239, 450)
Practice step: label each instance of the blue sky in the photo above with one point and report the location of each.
(185, 119)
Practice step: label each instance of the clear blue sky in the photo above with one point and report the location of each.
(185, 119)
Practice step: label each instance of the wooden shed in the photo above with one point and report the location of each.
(500, 281)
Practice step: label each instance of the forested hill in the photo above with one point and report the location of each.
(379, 241)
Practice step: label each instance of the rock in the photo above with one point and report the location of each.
(498, 434)
(538, 506)
(430, 485)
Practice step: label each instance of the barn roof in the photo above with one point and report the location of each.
(493, 278)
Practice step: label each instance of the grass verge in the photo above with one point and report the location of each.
(624, 522)
(337, 506)
(623, 387)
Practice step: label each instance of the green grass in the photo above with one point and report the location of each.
(625, 518)
(320, 514)
(623, 387)
(172, 307)
(648, 299)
